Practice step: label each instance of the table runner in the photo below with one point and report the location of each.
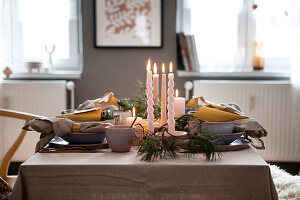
(238, 175)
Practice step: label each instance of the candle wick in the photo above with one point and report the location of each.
(133, 122)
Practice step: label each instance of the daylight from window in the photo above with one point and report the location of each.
(229, 34)
(53, 28)
(40, 31)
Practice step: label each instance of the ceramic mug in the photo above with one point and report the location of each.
(120, 137)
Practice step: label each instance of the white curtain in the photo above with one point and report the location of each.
(295, 62)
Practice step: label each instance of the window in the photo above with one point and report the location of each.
(31, 29)
(230, 35)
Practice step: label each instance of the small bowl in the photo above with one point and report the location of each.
(226, 139)
(213, 127)
(84, 138)
(120, 137)
(33, 65)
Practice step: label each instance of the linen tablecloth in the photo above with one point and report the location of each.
(238, 175)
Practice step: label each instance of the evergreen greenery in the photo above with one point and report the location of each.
(139, 101)
(152, 146)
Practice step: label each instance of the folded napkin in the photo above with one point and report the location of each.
(218, 112)
(92, 114)
(50, 127)
(209, 111)
(108, 99)
(90, 110)
(252, 131)
(107, 102)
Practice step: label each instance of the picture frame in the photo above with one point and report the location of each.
(128, 24)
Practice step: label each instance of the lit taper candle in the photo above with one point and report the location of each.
(150, 102)
(155, 84)
(163, 111)
(171, 114)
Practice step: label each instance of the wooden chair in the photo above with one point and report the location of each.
(12, 150)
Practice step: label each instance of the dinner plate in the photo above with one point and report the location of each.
(84, 138)
(59, 143)
(238, 144)
(226, 139)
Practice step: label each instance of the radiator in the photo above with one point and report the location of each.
(267, 101)
(46, 98)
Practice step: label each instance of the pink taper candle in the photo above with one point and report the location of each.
(171, 114)
(155, 84)
(150, 102)
(163, 111)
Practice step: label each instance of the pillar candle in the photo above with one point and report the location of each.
(179, 105)
(163, 111)
(150, 102)
(171, 114)
(155, 84)
(129, 120)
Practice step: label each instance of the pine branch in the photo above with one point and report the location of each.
(139, 101)
(152, 146)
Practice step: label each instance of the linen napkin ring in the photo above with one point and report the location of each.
(76, 127)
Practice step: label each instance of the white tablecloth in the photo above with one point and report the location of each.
(238, 175)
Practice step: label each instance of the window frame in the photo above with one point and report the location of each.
(248, 38)
(73, 65)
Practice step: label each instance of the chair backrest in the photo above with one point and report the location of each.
(4, 165)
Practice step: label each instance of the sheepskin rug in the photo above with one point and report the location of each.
(287, 186)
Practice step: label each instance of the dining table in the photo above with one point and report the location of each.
(108, 175)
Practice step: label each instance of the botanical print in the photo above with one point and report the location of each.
(124, 15)
(128, 22)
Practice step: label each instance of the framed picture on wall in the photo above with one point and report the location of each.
(128, 23)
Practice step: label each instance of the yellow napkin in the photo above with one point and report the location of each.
(93, 114)
(107, 100)
(215, 115)
(216, 112)
(192, 103)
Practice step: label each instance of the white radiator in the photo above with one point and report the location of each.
(267, 101)
(46, 98)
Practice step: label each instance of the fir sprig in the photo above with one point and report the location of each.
(151, 146)
(182, 121)
(139, 101)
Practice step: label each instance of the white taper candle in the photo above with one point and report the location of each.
(150, 102)
(163, 110)
(155, 84)
(171, 114)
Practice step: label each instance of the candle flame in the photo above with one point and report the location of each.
(163, 68)
(176, 92)
(171, 67)
(133, 112)
(149, 65)
(155, 68)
